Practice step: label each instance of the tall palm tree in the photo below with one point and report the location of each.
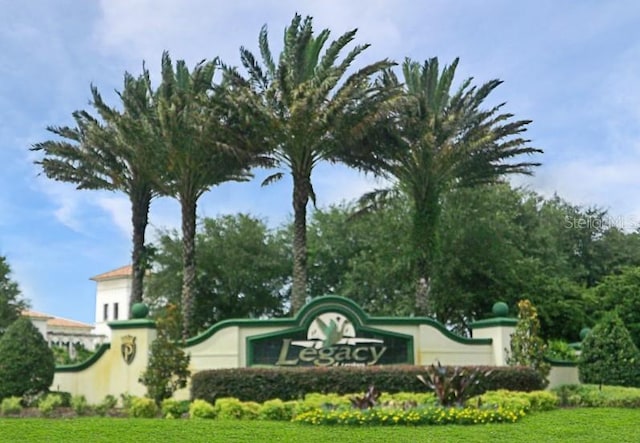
(112, 153)
(437, 139)
(309, 111)
(200, 148)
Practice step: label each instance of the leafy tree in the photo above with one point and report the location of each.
(309, 112)
(114, 152)
(168, 368)
(198, 152)
(362, 257)
(437, 140)
(609, 355)
(243, 270)
(621, 293)
(527, 347)
(11, 301)
(26, 362)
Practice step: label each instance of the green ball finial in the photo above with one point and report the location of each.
(584, 332)
(500, 309)
(139, 310)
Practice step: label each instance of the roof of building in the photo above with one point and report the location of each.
(124, 271)
(56, 321)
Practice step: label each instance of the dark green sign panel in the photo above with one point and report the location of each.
(330, 336)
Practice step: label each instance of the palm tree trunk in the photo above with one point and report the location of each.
(188, 208)
(140, 203)
(300, 199)
(425, 243)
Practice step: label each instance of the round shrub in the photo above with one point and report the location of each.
(229, 407)
(609, 355)
(143, 407)
(201, 409)
(49, 403)
(11, 406)
(24, 351)
(277, 409)
(79, 404)
(172, 408)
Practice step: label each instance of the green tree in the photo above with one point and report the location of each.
(438, 139)
(243, 270)
(363, 257)
(527, 347)
(621, 293)
(26, 362)
(198, 150)
(609, 355)
(11, 301)
(114, 153)
(310, 110)
(168, 367)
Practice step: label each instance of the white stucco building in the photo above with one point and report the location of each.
(63, 332)
(113, 290)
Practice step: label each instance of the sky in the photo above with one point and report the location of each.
(573, 67)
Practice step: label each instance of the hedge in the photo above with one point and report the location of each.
(262, 384)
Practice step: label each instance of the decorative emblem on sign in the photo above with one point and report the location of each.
(331, 341)
(128, 348)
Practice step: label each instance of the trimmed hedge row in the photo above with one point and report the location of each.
(262, 384)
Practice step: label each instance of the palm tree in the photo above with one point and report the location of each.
(200, 147)
(116, 154)
(309, 112)
(436, 140)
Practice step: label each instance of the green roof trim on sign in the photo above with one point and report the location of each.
(493, 322)
(136, 323)
(335, 303)
(87, 363)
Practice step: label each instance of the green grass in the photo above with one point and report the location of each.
(565, 425)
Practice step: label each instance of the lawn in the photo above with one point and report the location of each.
(564, 425)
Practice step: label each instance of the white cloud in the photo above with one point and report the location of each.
(119, 209)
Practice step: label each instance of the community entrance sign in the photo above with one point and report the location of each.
(331, 336)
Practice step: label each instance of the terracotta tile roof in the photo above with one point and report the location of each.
(64, 323)
(33, 314)
(124, 271)
(56, 321)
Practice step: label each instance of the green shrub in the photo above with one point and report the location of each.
(453, 386)
(143, 407)
(251, 410)
(598, 396)
(229, 407)
(126, 399)
(167, 370)
(11, 406)
(64, 396)
(405, 398)
(277, 409)
(542, 400)
(201, 409)
(172, 408)
(560, 350)
(527, 347)
(23, 351)
(422, 416)
(107, 404)
(79, 404)
(512, 400)
(609, 355)
(262, 384)
(49, 403)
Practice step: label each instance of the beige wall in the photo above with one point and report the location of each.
(226, 348)
(110, 374)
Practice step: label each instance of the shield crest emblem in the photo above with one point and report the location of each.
(128, 348)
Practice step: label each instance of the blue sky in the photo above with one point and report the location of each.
(573, 67)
